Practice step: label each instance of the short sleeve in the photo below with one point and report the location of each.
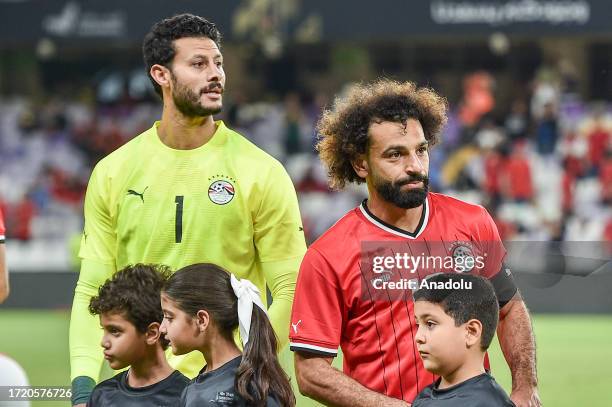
(317, 314)
(495, 269)
(278, 232)
(99, 237)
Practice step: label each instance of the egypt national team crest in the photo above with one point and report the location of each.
(463, 257)
(221, 192)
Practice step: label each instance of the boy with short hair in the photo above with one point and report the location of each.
(456, 326)
(130, 313)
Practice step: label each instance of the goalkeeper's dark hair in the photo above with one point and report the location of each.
(158, 45)
(134, 292)
(478, 302)
(259, 375)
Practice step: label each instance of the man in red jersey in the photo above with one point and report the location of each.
(4, 284)
(345, 296)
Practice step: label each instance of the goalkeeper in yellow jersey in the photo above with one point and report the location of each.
(188, 190)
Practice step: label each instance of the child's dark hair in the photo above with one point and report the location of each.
(478, 302)
(135, 293)
(158, 44)
(208, 287)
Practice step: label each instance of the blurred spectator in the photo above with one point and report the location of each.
(573, 152)
(545, 92)
(568, 185)
(494, 160)
(547, 131)
(478, 98)
(598, 139)
(293, 120)
(19, 219)
(516, 179)
(517, 121)
(605, 177)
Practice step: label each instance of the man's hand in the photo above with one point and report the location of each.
(517, 342)
(526, 397)
(80, 405)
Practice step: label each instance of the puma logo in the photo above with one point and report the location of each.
(295, 326)
(141, 195)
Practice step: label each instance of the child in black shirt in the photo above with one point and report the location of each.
(130, 314)
(456, 326)
(203, 305)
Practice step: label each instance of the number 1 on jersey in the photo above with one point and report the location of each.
(178, 223)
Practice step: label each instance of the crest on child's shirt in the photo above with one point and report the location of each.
(224, 398)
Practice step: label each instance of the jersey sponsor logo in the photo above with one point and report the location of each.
(221, 192)
(140, 194)
(295, 326)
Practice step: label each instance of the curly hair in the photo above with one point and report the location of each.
(135, 293)
(158, 44)
(344, 129)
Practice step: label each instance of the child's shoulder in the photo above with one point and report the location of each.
(218, 385)
(112, 383)
(104, 389)
(116, 391)
(495, 393)
(178, 377)
(480, 391)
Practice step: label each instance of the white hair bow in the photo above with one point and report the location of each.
(248, 294)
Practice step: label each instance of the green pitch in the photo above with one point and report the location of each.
(574, 353)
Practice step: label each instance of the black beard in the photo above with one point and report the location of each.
(392, 192)
(188, 103)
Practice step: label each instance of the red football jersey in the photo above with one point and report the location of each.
(339, 298)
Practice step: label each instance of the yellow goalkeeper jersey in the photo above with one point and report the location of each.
(226, 202)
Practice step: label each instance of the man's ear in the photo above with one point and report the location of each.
(473, 333)
(153, 333)
(202, 320)
(161, 75)
(360, 165)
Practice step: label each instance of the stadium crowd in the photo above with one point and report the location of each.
(542, 167)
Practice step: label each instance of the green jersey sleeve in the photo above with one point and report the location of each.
(280, 245)
(99, 236)
(97, 251)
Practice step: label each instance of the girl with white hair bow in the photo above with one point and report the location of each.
(203, 305)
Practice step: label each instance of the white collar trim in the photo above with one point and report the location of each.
(397, 231)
